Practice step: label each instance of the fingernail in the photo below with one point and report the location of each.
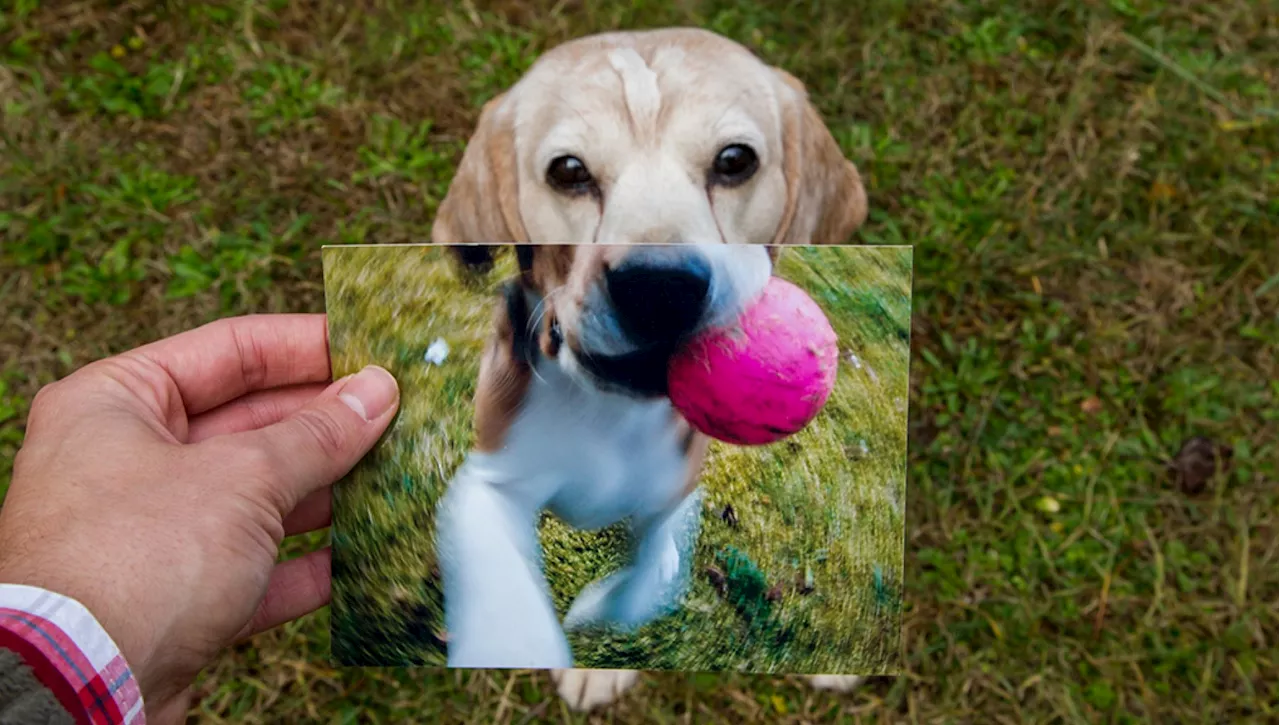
(370, 392)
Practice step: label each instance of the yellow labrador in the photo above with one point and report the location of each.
(673, 137)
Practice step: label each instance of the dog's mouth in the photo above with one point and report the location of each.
(639, 374)
(626, 326)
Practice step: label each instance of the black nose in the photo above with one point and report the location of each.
(659, 298)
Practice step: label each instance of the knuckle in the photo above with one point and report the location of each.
(47, 396)
(328, 434)
(263, 413)
(253, 350)
(44, 404)
(258, 523)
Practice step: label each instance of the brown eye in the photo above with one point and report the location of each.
(734, 164)
(569, 174)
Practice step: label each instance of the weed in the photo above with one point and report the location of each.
(238, 265)
(400, 151)
(280, 94)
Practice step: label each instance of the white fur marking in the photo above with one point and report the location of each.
(639, 86)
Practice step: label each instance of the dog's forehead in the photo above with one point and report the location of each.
(658, 86)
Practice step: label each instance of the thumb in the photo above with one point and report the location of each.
(322, 441)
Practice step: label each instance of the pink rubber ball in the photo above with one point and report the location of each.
(763, 378)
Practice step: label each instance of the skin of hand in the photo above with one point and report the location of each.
(155, 487)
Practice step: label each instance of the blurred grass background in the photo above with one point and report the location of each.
(818, 517)
(1092, 191)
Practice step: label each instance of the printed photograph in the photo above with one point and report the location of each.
(653, 457)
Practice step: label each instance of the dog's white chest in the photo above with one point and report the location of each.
(592, 458)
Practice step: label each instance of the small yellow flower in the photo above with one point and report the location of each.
(136, 43)
(118, 51)
(1056, 527)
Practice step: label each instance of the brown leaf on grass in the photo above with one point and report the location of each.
(1197, 462)
(1091, 405)
(1101, 615)
(1161, 191)
(717, 579)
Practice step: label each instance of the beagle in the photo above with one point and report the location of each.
(644, 180)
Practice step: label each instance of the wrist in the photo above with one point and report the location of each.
(70, 653)
(96, 619)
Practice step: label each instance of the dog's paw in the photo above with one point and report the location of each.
(584, 690)
(836, 683)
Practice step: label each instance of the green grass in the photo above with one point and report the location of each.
(1091, 190)
(826, 506)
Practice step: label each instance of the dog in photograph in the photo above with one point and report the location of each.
(643, 179)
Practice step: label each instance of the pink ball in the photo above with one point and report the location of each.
(763, 378)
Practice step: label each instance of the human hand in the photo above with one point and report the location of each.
(155, 487)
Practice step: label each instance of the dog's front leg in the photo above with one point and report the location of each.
(498, 609)
(656, 579)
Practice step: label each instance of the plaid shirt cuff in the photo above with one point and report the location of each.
(70, 654)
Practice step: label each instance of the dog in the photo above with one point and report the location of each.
(644, 179)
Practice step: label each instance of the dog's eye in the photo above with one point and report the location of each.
(734, 164)
(569, 174)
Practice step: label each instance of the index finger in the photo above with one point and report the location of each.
(223, 360)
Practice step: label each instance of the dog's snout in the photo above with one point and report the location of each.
(659, 298)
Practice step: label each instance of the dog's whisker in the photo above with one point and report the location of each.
(534, 323)
(540, 311)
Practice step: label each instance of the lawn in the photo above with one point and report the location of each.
(799, 565)
(1091, 189)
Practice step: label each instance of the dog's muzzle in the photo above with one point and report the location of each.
(643, 309)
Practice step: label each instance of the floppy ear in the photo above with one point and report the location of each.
(826, 201)
(505, 370)
(482, 205)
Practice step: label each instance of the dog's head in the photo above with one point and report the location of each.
(647, 161)
(612, 315)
